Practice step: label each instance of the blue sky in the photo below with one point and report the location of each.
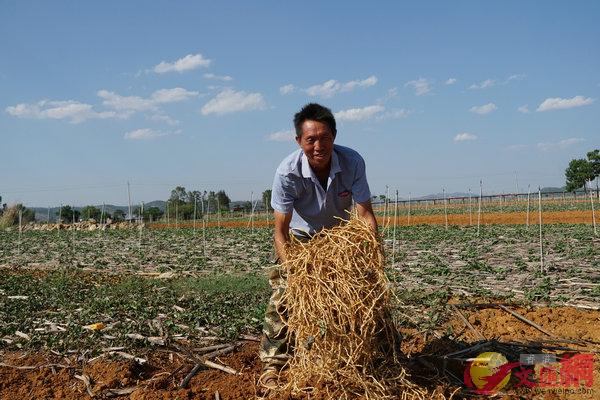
(202, 94)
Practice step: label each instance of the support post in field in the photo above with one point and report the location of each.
(251, 220)
(177, 215)
(141, 223)
(479, 207)
(394, 234)
(267, 210)
(20, 230)
(129, 200)
(218, 212)
(48, 214)
(445, 207)
(409, 195)
(73, 229)
(59, 220)
(528, 203)
(203, 227)
(593, 212)
(195, 207)
(540, 223)
(385, 208)
(470, 209)
(167, 213)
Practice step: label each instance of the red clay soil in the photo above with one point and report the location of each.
(159, 378)
(508, 218)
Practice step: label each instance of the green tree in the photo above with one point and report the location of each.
(578, 173)
(223, 201)
(68, 214)
(91, 212)
(152, 214)
(178, 195)
(594, 159)
(266, 197)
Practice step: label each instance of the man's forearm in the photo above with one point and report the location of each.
(281, 241)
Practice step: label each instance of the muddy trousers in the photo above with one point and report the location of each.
(274, 347)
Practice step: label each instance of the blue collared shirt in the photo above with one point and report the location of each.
(296, 189)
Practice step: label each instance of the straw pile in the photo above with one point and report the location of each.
(345, 342)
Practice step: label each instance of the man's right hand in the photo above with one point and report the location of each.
(282, 233)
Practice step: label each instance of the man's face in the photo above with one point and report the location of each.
(317, 143)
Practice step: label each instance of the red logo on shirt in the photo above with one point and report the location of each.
(345, 193)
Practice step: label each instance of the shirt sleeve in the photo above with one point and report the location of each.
(283, 194)
(360, 187)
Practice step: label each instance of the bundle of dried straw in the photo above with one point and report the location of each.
(345, 342)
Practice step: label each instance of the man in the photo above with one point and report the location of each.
(312, 186)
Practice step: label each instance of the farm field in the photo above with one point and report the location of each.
(161, 294)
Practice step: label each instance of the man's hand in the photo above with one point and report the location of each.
(282, 233)
(365, 212)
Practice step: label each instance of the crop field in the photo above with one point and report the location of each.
(159, 295)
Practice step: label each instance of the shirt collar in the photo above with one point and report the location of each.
(307, 171)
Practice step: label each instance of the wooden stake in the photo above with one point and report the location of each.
(195, 207)
(394, 231)
(540, 222)
(203, 227)
(408, 221)
(593, 212)
(528, 203)
(470, 209)
(479, 208)
(445, 206)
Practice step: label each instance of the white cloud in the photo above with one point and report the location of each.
(142, 134)
(225, 78)
(71, 110)
(516, 147)
(125, 103)
(421, 86)
(557, 103)
(358, 114)
(561, 144)
(326, 89)
(187, 63)
(282, 136)
(484, 109)
(287, 89)
(395, 114)
(365, 83)
(164, 118)
(524, 109)
(331, 87)
(229, 101)
(461, 137)
(451, 81)
(136, 103)
(483, 85)
(516, 77)
(172, 95)
(493, 82)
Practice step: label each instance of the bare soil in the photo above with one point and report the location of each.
(53, 376)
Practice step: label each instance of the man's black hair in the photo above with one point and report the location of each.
(314, 112)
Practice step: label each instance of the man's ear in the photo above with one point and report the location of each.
(299, 140)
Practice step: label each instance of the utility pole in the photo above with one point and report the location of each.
(129, 199)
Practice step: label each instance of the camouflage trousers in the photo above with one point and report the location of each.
(274, 347)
